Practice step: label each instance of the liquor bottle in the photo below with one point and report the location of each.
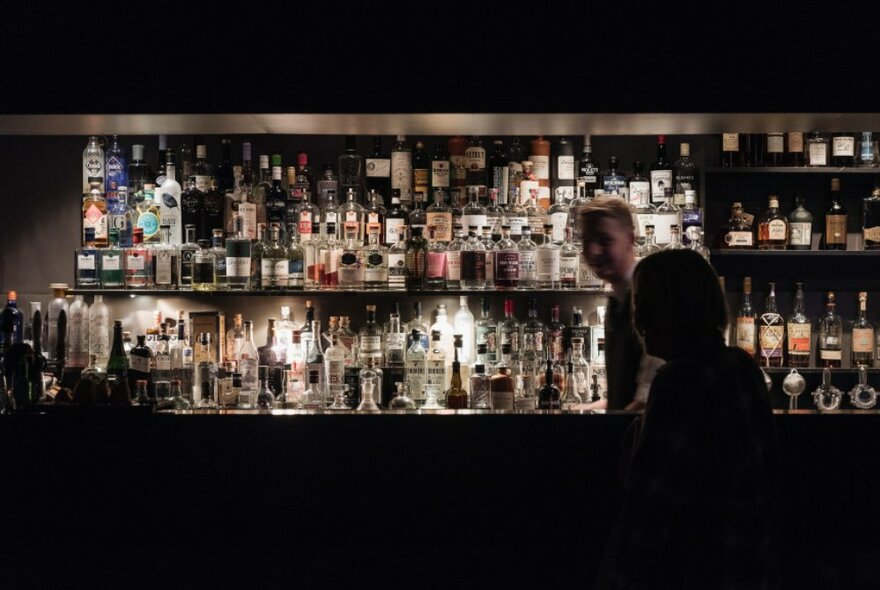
(99, 330)
(218, 249)
(830, 335)
(506, 265)
(238, 258)
(185, 165)
(416, 357)
(395, 342)
(498, 170)
(78, 329)
(187, 252)
(166, 265)
(92, 163)
(87, 270)
(563, 170)
(800, 226)
(456, 395)
(140, 360)
(730, 150)
(204, 268)
(739, 234)
(224, 173)
(401, 170)
(509, 330)
(614, 181)
(374, 216)
(798, 330)
(473, 212)
(370, 337)
(486, 331)
(661, 173)
(148, 215)
(755, 154)
(138, 263)
(94, 213)
(334, 365)
(745, 321)
(535, 214)
(329, 253)
(473, 262)
(547, 261)
(588, 169)
(866, 151)
(375, 263)
(691, 218)
(835, 220)
(213, 211)
(353, 214)
(456, 147)
(139, 173)
(191, 203)
(871, 220)
(160, 167)
(453, 259)
(161, 370)
(276, 198)
(475, 162)
(115, 168)
(306, 333)
(794, 155)
(685, 175)
(773, 231)
(351, 168)
(501, 384)
(516, 216)
(549, 394)
(435, 370)
(330, 182)
(480, 388)
(528, 263)
(235, 339)
(489, 244)
(397, 270)
(421, 167)
(843, 149)
(378, 167)
(774, 150)
(463, 324)
(204, 172)
(447, 332)
(555, 339)
(169, 200)
(205, 389)
(396, 220)
(639, 194)
(438, 218)
(863, 336)
(569, 262)
(435, 271)
(771, 332)
(817, 151)
(248, 365)
(666, 215)
(416, 260)
(351, 261)
(56, 306)
(539, 155)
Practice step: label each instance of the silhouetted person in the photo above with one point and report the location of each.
(608, 235)
(700, 487)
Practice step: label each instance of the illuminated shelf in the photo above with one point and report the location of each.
(302, 293)
(792, 170)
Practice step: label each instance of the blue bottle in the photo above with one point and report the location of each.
(115, 168)
(11, 322)
(121, 216)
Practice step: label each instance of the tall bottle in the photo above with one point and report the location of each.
(563, 170)
(456, 395)
(168, 197)
(799, 331)
(539, 155)
(463, 324)
(115, 168)
(862, 336)
(99, 330)
(351, 168)
(56, 306)
(401, 170)
(773, 229)
(249, 366)
(835, 220)
(92, 162)
(78, 330)
(378, 167)
(475, 160)
(771, 332)
(588, 169)
(830, 335)
(501, 384)
(745, 321)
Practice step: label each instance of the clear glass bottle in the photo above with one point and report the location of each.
(473, 213)
(375, 261)
(830, 335)
(334, 366)
(248, 366)
(438, 218)
(799, 331)
(416, 359)
(98, 334)
(351, 261)
(396, 220)
(666, 215)
(374, 216)
(186, 253)
(417, 323)
(218, 249)
(87, 264)
(558, 216)
(548, 261)
(204, 268)
(494, 211)
(473, 262)
(397, 270)
(773, 231)
(56, 306)
(138, 263)
(235, 339)
(92, 162)
(315, 369)
(581, 368)
(509, 330)
(165, 261)
(486, 331)
(691, 217)
(489, 244)
(121, 216)
(675, 239)
(528, 263)
(453, 259)
(435, 271)
(177, 400)
(536, 215)
(353, 214)
(395, 342)
(863, 336)
(205, 384)
(871, 220)
(817, 150)
(274, 263)
(569, 262)
(516, 216)
(463, 324)
(329, 215)
(570, 393)
(480, 388)
(183, 359)
(162, 356)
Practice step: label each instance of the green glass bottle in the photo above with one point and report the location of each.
(117, 364)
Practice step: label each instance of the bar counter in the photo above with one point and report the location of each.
(115, 499)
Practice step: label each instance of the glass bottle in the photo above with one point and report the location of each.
(396, 220)
(435, 371)
(235, 339)
(771, 333)
(480, 388)
(473, 213)
(830, 335)
(456, 395)
(843, 149)
(140, 360)
(569, 262)
(509, 330)
(549, 396)
(204, 268)
(182, 358)
(507, 260)
(351, 169)
(581, 368)
(328, 183)
(334, 366)
(486, 331)
(395, 342)
(351, 261)
(835, 220)
(186, 254)
(306, 215)
(463, 324)
(416, 260)
(162, 356)
(501, 384)
(168, 198)
(97, 331)
(315, 368)
(87, 265)
(746, 335)
(871, 220)
(329, 215)
(274, 264)
(370, 383)
(691, 217)
(375, 261)
(165, 261)
(473, 262)
(863, 336)
(535, 214)
(516, 216)
(674, 239)
(799, 331)
(489, 244)
(570, 394)
(138, 263)
(435, 272)
(558, 217)
(264, 399)
(817, 150)
(438, 218)
(416, 359)
(453, 259)
(739, 234)
(56, 306)
(238, 258)
(614, 181)
(218, 249)
(417, 215)
(248, 366)
(685, 175)
(205, 383)
(548, 261)
(666, 215)
(417, 323)
(352, 214)
(374, 216)
(397, 270)
(773, 231)
(92, 162)
(528, 266)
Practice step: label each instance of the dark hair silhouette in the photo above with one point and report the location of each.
(678, 293)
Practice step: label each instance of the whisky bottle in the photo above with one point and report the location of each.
(661, 173)
(772, 227)
(871, 220)
(835, 220)
(800, 226)
(862, 336)
(739, 233)
(799, 331)
(549, 395)
(456, 396)
(745, 321)
(501, 384)
(771, 332)
(830, 335)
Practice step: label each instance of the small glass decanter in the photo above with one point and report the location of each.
(368, 404)
(402, 400)
(827, 397)
(862, 395)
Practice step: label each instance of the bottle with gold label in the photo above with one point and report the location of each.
(871, 220)
(862, 336)
(772, 227)
(739, 233)
(799, 330)
(745, 321)
(835, 220)
(830, 335)
(771, 332)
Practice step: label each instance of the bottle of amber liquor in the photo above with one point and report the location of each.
(799, 331)
(772, 227)
(771, 332)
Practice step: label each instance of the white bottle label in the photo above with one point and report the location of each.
(392, 229)
(139, 363)
(541, 166)
(800, 233)
(640, 192)
(85, 261)
(776, 229)
(453, 265)
(775, 143)
(370, 345)
(396, 269)
(730, 142)
(559, 220)
(516, 224)
(237, 267)
(163, 362)
(335, 372)
(440, 173)
(795, 142)
(660, 180)
(565, 167)
(568, 269)
(378, 167)
(548, 264)
(248, 213)
(401, 174)
(164, 259)
(843, 146)
(478, 220)
(527, 264)
(110, 262)
(662, 227)
(134, 262)
(818, 154)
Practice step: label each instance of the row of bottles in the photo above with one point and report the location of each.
(795, 148)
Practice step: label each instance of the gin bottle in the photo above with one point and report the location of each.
(92, 163)
(248, 365)
(168, 198)
(204, 277)
(187, 252)
(350, 263)
(528, 261)
(416, 366)
(509, 330)
(99, 330)
(486, 331)
(830, 335)
(78, 333)
(548, 261)
(238, 258)
(87, 269)
(205, 384)
(138, 263)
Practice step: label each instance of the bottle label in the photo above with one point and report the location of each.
(378, 167)
(305, 225)
(203, 182)
(453, 265)
(541, 166)
(863, 340)
(527, 264)
(568, 270)
(501, 400)
(370, 345)
(800, 233)
(795, 142)
(872, 234)
(490, 266)
(843, 146)
(799, 336)
(440, 173)
(738, 238)
(559, 221)
(473, 266)
(477, 220)
(393, 227)
(441, 224)
(85, 262)
(164, 262)
(420, 179)
(660, 180)
(435, 375)
(835, 229)
(335, 372)
(436, 265)
(458, 165)
(818, 154)
(774, 230)
(238, 267)
(139, 363)
(516, 224)
(415, 376)
(401, 175)
(745, 334)
(163, 362)
(771, 338)
(134, 262)
(775, 143)
(274, 271)
(475, 158)
(565, 167)
(730, 142)
(663, 227)
(640, 193)
(396, 269)
(830, 355)
(110, 262)
(548, 265)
